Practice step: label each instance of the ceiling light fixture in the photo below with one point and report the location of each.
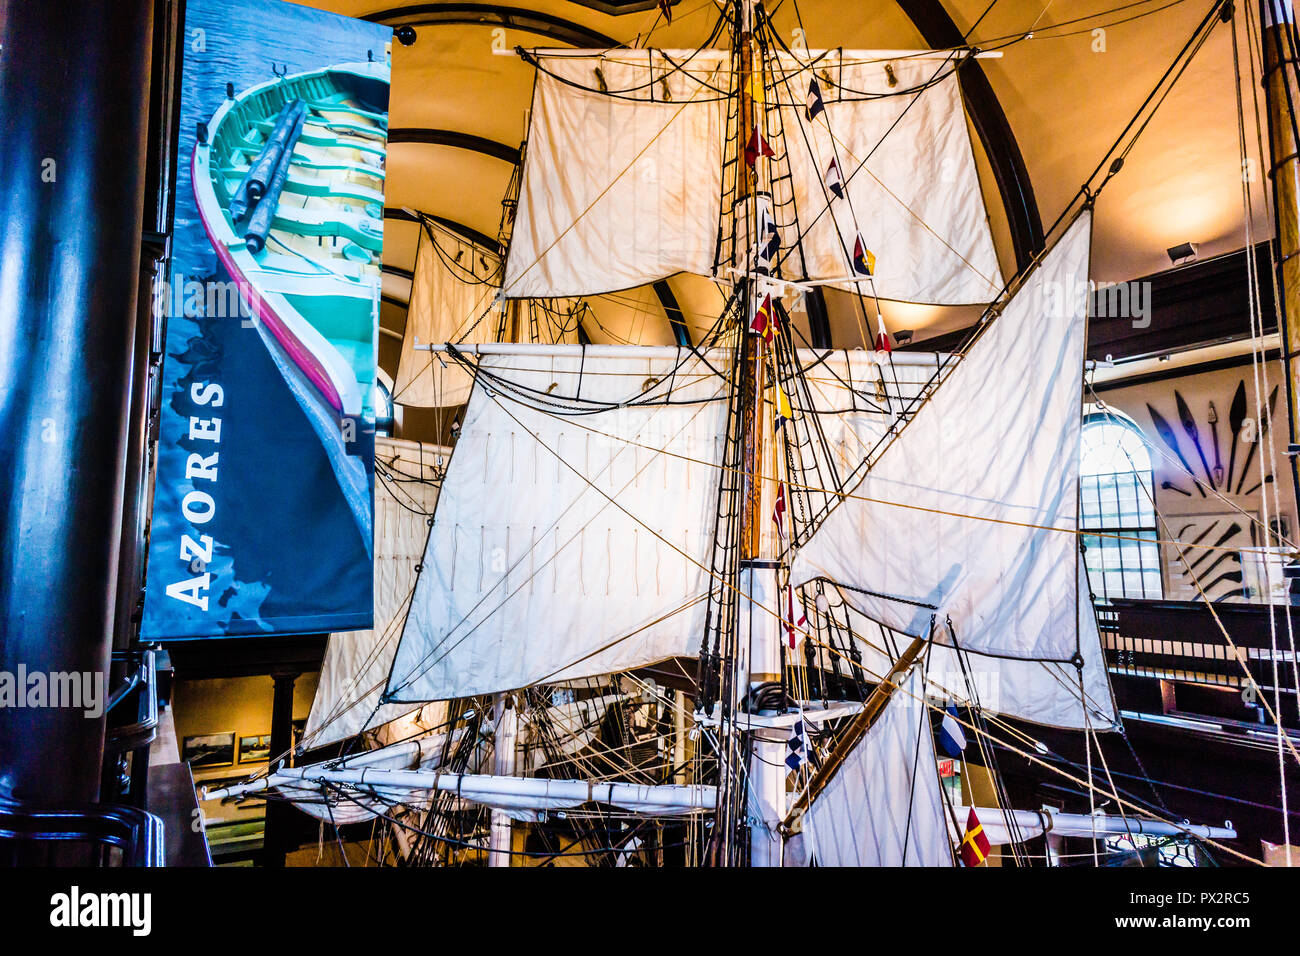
(1183, 252)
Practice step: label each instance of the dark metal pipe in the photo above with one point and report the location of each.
(74, 77)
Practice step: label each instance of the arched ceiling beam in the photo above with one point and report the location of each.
(681, 332)
(618, 8)
(1009, 171)
(491, 14)
(819, 321)
(456, 140)
(467, 233)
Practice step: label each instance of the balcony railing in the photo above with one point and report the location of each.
(1184, 641)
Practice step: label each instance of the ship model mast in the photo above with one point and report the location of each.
(758, 564)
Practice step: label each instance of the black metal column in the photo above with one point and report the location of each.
(275, 841)
(74, 77)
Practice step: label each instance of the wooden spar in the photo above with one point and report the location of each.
(512, 321)
(1283, 100)
(864, 721)
(745, 110)
(752, 351)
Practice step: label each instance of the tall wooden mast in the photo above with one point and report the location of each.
(1283, 100)
(752, 350)
(759, 631)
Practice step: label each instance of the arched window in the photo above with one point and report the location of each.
(383, 402)
(1115, 489)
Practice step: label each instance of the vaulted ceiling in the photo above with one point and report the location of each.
(1069, 78)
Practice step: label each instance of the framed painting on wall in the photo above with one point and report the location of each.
(209, 750)
(255, 749)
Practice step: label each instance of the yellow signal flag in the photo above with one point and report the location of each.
(781, 402)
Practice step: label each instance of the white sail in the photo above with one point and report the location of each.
(884, 806)
(619, 190)
(852, 400)
(908, 172)
(569, 546)
(454, 298)
(356, 663)
(971, 512)
(1050, 693)
(624, 187)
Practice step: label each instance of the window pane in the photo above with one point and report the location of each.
(1116, 501)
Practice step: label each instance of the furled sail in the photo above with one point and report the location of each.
(884, 806)
(971, 512)
(1007, 826)
(623, 182)
(568, 728)
(521, 798)
(357, 662)
(624, 189)
(335, 806)
(567, 546)
(894, 130)
(454, 298)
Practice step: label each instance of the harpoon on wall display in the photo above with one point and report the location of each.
(263, 507)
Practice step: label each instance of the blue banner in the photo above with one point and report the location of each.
(263, 509)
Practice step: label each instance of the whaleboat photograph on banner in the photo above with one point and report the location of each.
(263, 505)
